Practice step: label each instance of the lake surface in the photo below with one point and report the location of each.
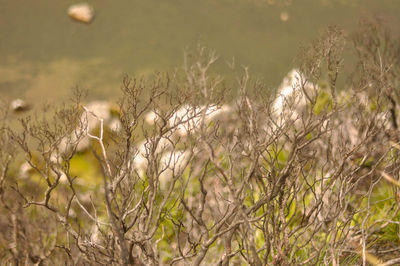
(43, 53)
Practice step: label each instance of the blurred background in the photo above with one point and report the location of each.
(44, 53)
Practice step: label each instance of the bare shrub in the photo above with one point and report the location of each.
(188, 178)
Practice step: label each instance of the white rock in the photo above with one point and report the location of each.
(181, 120)
(289, 87)
(188, 118)
(140, 161)
(218, 113)
(172, 163)
(96, 110)
(81, 12)
(143, 148)
(114, 124)
(83, 144)
(291, 101)
(89, 121)
(284, 16)
(25, 170)
(19, 105)
(151, 117)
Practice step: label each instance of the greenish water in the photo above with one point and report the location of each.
(43, 53)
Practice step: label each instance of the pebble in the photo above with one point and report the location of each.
(81, 12)
(284, 16)
(19, 105)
